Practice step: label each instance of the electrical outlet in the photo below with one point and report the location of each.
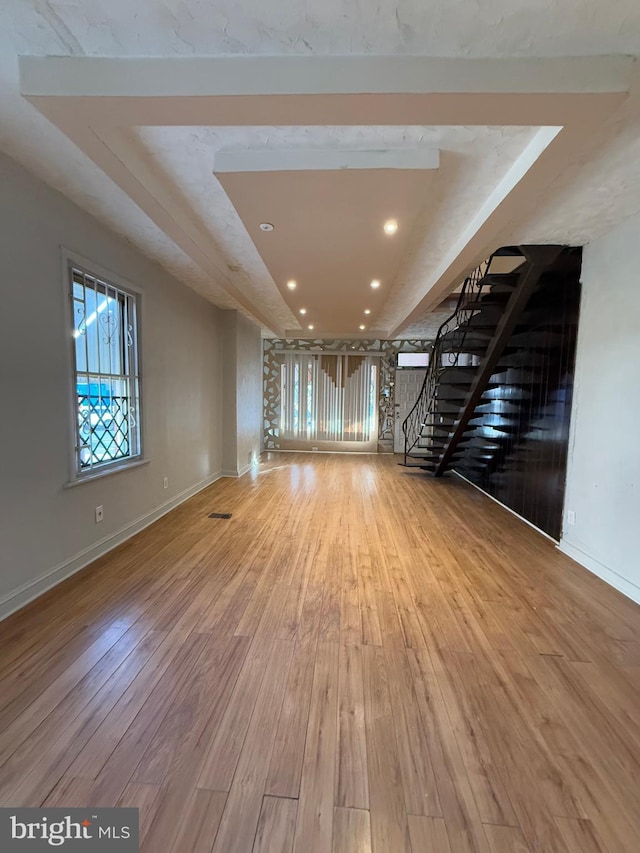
(165, 483)
(571, 517)
(99, 514)
(314, 448)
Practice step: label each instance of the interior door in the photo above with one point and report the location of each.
(408, 384)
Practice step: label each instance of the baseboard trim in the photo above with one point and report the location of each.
(18, 598)
(508, 509)
(334, 452)
(226, 472)
(626, 587)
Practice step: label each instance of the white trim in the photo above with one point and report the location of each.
(215, 76)
(339, 452)
(617, 581)
(18, 598)
(508, 509)
(323, 159)
(228, 472)
(113, 468)
(93, 268)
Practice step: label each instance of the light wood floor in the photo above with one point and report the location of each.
(360, 659)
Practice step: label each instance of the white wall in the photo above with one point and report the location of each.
(242, 393)
(603, 481)
(249, 400)
(47, 531)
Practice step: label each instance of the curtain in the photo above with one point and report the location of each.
(328, 397)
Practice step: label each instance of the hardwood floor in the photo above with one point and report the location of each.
(361, 659)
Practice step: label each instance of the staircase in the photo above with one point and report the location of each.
(470, 412)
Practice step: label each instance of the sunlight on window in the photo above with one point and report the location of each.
(106, 372)
(338, 393)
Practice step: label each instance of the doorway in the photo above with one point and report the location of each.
(408, 384)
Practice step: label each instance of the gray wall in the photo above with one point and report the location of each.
(242, 393)
(603, 482)
(46, 530)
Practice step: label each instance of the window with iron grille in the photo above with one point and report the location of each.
(106, 376)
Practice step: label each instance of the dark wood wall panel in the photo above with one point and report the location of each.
(526, 411)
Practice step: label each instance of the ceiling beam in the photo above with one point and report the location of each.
(565, 99)
(309, 75)
(323, 159)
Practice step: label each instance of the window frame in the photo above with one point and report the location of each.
(73, 261)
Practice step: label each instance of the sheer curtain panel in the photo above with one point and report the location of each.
(328, 402)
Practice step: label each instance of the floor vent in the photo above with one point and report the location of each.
(220, 515)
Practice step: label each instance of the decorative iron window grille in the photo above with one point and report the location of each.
(106, 374)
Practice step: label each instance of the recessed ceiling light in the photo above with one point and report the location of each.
(390, 226)
(266, 226)
(291, 284)
(310, 326)
(303, 310)
(362, 328)
(367, 310)
(375, 284)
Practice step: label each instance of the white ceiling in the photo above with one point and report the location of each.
(594, 182)
(472, 159)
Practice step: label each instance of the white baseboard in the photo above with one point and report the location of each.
(228, 472)
(333, 452)
(626, 587)
(17, 598)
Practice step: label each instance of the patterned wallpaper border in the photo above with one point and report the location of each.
(271, 375)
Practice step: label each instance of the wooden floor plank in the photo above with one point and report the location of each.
(580, 836)
(418, 778)
(224, 753)
(452, 772)
(474, 738)
(506, 839)
(242, 811)
(276, 826)
(387, 663)
(428, 835)
(145, 798)
(351, 611)
(199, 822)
(64, 734)
(186, 762)
(352, 787)
(288, 751)
(386, 801)
(314, 824)
(351, 831)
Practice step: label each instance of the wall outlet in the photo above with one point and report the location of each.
(314, 448)
(165, 483)
(99, 514)
(571, 517)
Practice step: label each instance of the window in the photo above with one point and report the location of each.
(412, 359)
(328, 397)
(106, 378)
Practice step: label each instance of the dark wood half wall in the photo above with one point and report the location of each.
(526, 408)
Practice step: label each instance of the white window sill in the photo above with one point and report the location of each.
(107, 472)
